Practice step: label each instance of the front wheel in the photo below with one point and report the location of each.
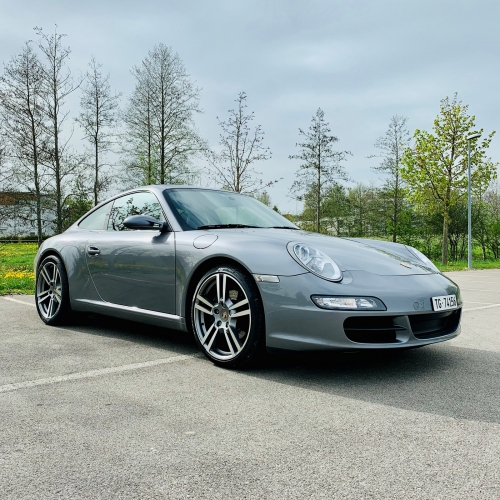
(52, 291)
(228, 318)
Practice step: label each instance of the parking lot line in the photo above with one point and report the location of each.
(478, 302)
(493, 281)
(480, 307)
(94, 373)
(19, 301)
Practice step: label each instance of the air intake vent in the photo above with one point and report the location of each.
(428, 326)
(372, 329)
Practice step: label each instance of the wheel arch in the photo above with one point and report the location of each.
(53, 252)
(48, 253)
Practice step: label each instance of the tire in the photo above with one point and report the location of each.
(227, 318)
(52, 291)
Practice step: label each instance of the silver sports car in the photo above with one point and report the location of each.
(241, 277)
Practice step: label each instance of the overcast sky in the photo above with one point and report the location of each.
(360, 61)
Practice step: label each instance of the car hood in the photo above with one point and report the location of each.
(373, 256)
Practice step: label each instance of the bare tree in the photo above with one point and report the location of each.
(138, 138)
(320, 166)
(98, 120)
(160, 137)
(58, 84)
(5, 174)
(241, 148)
(23, 114)
(392, 146)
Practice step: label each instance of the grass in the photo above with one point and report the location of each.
(461, 265)
(17, 276)
(16, 268)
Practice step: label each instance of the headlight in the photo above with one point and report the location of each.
(420, 256)
(315, 261)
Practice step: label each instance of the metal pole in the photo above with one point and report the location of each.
(469, 214)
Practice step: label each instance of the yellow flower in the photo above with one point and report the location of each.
(20, 275)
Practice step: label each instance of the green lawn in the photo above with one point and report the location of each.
(17, 276)
(461, 265)
(16, 268)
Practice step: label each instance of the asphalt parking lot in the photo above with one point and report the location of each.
(111, 409)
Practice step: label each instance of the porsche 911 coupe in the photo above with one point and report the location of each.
(241, 277)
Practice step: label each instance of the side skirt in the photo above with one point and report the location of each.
(132, 313)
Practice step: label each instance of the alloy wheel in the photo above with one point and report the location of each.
(49, 290)
(222, 316)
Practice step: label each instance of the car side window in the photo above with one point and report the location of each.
(142, 203)
(97, 219)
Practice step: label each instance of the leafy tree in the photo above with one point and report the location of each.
(264, 197)
(241, 148)
(75, 207)
(492, 202)
(365, 209)
(392, 146)
(334, 208)
(457, 230)
(320, 167)
(98, 120)
(435, 169)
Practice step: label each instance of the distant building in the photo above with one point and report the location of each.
(18, 215)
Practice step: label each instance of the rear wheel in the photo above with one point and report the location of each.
(228, 318)
(52, 291)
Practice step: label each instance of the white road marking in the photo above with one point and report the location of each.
(477, 302)
(480, 307)
(476, 290)
(93, 373)
(461, 274)
(484, 281)
(19, 301)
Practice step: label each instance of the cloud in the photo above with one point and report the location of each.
(362, 62)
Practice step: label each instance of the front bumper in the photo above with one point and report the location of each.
(294, 322)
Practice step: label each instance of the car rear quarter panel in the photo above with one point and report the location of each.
(70, 247)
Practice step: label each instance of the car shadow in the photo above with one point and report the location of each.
(439, 379)
(137, 333)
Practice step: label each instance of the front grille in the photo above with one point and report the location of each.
(372, 329)
(428, 326)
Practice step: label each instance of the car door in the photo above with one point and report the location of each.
(134, 268)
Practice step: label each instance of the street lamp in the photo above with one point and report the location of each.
(469, 207)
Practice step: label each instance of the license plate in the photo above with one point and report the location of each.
(444, 302)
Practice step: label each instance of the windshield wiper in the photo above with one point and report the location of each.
(285, 227)
(223, 226)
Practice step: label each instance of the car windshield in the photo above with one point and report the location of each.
(205, 209)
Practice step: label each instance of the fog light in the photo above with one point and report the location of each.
(349, 303)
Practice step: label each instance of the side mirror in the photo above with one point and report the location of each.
(145, 222)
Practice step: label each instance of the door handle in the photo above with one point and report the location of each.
(92, 250)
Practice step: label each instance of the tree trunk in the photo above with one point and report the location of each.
(444, 252)
(57, 159)
(38, 194)
(162, 135)
(318, 198)
(96, 181)
(396, 197)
